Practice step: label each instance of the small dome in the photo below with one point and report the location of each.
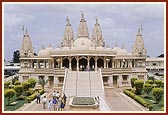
(99, 48)
(122, 52)
(108, 49)
(83, 43)
(43, 53)
(49, 48)
(116, 49)
(65, 48)
(92, 48)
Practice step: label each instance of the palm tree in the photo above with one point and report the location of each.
(43, 82)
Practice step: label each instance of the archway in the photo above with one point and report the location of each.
(83, 63)
(65, 63)
(73, 64)
(55, 64)
(92, 63)
(110, 64)
(100, 63)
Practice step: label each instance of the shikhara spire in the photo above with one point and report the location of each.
(68, 35)
(83, 29)
(26, 49)
(97, 37)
(138, 47)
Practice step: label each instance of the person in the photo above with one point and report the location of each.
(57, 95)
(64, 98)
(93, 67)
(59, 104)
(49, 105)
(62, 104)
(44, 102)
(38, 97)
(80, 67)
(54, 94)
(54, 102)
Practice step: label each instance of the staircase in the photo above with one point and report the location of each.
(83, 83)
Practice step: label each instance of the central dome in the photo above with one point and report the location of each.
(83, 43)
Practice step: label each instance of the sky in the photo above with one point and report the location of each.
(119, 24)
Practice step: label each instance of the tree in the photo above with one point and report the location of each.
(158, 83)
(15, 78)
(147, 88)
(9, 93)
(19, 90)
(26, 86)
(132, 81)
(16, 56)
(32, 82)
(6, 84)
(149, 82)
(157, 93)
(43, 82)
(17, 83)
(139, 86)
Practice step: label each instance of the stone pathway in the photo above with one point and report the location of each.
(114, 100)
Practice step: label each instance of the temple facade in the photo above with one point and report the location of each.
(116, 65)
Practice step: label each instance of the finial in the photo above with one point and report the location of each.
(49, 45)
(141, 29)
(23, 30)
(42, 46)
(67, 19)
(96, 19)
(138, 30)
(26, 31)
(82, 14)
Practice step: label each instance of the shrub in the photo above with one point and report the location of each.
(132, 81)
(18, 89)
(149, 82)
(139, 86)
(161, 109)
(17, 83)
(32, 82)
(33, 96)
(157, 93)
(141, 101)
(26, 86)
(16, 78)
(150, 107)
(9, 93)
(29, 92)
(147, 88)
(6, 84)
(158, 83)
(129, 93)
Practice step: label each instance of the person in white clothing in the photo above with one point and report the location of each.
(44, 102)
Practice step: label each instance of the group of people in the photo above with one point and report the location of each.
(82, 68)
(57, 103)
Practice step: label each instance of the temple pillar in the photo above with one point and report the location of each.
(77, 59)
(95, 63)
(70, 63)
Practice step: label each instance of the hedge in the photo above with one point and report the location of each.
(33, 96)
(136, 98)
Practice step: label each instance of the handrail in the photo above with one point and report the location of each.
(101, 78)
(90, 82)
(64, 84)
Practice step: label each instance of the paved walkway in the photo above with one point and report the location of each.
(114, 100)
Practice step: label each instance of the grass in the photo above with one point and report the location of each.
(83, 101)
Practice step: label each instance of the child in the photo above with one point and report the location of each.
(49, 105)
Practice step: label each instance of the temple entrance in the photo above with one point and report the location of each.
(65, 63)
(100, 63)
(51, 81)
(82, 64)
(55, 64)
(92, 64)
(115, 81)
(73, 64)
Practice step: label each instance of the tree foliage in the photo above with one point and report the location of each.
(26, 86)
(9, 93)
(17, 83)
(132, 81)
(43, 82)
(139, 86)
(32, 82)
(157, 93)
(6, 84)
(18, 89)
(147, 88)
(16, 56)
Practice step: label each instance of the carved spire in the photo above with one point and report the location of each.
(97, 37)
(138, 48)
(68, 34)
(83, 29)
(27, 48)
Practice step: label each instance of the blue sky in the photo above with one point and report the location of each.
(119, 24)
